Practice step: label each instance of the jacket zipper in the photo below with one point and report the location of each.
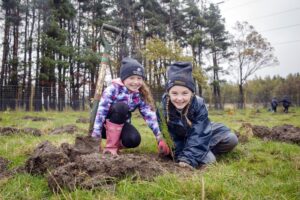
(184, 124)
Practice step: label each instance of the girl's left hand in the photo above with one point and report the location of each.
(163, 148)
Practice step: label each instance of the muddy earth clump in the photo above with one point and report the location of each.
(93, 171)
(33, 131)
(46, 157)
(83, 145)
(285, 133)
(70, 129)
(4, 172)
(36, 119)
(244, 133)
(13, 130)
(83, 120)
(8, 130)
(82, 166)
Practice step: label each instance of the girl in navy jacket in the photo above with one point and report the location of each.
(196, 139)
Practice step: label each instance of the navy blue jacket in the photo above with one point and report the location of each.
(286, 101)
(191, 142)
(274, 102)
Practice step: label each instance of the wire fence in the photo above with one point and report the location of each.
(49, 98)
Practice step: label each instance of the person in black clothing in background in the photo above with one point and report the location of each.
(286, 102)
(274, 104)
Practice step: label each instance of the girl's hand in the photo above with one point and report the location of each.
(163, 148)
(95, 135)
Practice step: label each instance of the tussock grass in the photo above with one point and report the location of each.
(254, 170)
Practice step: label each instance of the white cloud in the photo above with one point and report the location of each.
(277, 20)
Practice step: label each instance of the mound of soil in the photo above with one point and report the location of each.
(4, 172)
(3, 164)
(45, 157)
(83, 145)
(70, 129)
(83, 120)
(36, 118)
(93, 171)
(33, 131)
(13, 130)
(244, 133)
(285, 133)
(81, 165)
(8, 130)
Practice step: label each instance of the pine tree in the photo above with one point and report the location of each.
(218, 47)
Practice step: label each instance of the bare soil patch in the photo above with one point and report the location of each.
(5, 172)
(3, 168)
(82, 166)
(13, 130)
(244, 133)
(45, 157)
(83, 120)
(33, 118)
(92, 170)
(285, 133)
(70, 129)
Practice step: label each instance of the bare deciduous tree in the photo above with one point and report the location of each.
(250, 53)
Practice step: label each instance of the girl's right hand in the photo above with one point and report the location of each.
(95, 135)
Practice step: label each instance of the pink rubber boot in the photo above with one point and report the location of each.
(113, 133)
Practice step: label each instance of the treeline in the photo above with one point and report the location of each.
(51, 49)
(259, 91)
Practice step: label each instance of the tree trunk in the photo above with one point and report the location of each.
(241, 104)
(200, 53)
(38, 88)
(15, 62)
(52, 80)
(216, 84)
(200, 63)
(150, 72)
(3, 102)
(24, 91)
(60, 85)
(75, 89)
(29, 82)
(83, 91)
(241, 101)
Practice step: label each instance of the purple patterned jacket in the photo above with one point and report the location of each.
(117, 92)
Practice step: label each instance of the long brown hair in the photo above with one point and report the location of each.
(147, 95)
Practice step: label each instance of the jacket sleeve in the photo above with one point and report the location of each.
(151, 118)
(197, 141)
(104, 105)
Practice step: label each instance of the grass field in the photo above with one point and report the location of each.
(255, 170)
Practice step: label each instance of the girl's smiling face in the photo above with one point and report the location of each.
(133, 83)
(180, 96)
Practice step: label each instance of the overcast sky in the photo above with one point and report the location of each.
(277, 20)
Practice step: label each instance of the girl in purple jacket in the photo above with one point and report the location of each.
(118, 101)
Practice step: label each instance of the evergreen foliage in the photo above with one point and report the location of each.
(51, 49)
